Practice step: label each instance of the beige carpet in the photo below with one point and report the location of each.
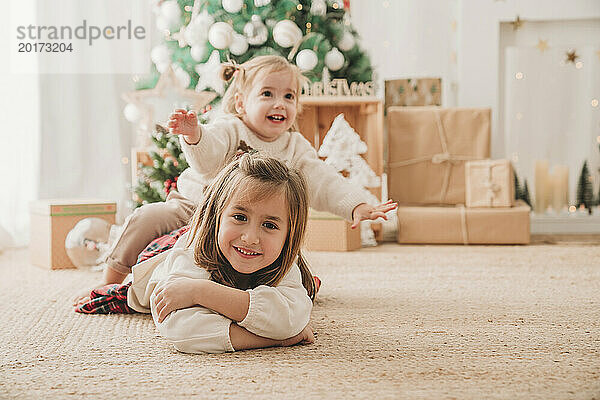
(393, 322)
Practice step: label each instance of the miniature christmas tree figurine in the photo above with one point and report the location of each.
(525, 193)
(585, 192)
(342, 148)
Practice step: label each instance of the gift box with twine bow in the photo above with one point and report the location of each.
(428, 147)
(489, 183)
(462, 225)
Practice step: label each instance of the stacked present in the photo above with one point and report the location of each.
(448, 189)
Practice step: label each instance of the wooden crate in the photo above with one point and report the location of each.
(363, 113)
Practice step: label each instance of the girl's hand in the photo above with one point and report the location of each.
(366, 211)
(305, 337)
(183, 122)
(175, 294)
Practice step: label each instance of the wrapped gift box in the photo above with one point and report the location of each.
(413, 92)
(428, 147)
(51, 221)
(461, 225)
(328, 232)
(489, 183)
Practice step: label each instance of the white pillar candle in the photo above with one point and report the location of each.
(541, 185)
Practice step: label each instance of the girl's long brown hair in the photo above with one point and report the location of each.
(260, 177)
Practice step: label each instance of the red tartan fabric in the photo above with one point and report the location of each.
(161, 244)
(109, 299)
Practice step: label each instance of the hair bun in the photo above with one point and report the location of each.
(227, 71)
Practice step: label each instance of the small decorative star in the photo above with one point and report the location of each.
(179, 36)
(571, 56)
(542, 45)
(517, 23)
(209, 74)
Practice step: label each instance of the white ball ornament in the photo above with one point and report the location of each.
(306, 59)
(160, 54)
(256, 31)
(220, 35)
(334, 59)
(170, 10)
(318, 8)
(232, 6)
(162, 24)
(132, 113)
(239, 45)
(198, 52)
(347, 42)
(286, 33)
(86, 241)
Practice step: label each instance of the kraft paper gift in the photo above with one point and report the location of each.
(52, 219)
(413, 92)
(328, 232)
(428, 147)
(461, 225)
(489, 183)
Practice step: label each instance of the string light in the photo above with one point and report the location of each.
(572, 209)
(578, 65)
(308, 25)
(594, 102)
(188, 8)
(335, 6)
(125, 160)
(519, 75)
(299, 7)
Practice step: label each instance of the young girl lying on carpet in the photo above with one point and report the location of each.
(239, 281)
(259, 112)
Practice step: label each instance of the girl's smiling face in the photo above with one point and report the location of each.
(252, 234)
(270, 108)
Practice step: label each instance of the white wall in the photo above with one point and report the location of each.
(410, 38)
(457, 40)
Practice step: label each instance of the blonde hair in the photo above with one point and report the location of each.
(245, 75)
(259, 177)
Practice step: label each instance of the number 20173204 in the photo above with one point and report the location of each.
(45, 47)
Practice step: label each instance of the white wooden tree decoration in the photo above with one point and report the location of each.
(342, 149)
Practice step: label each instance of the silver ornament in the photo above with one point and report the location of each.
(256, 31)
(260, 3)
(87, 241)
(318, 8)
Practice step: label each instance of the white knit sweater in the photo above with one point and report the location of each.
(328, 190)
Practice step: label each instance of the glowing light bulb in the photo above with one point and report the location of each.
(519, 75)
(578, 65)
(125, 160)
(594, 103)
(572, 208)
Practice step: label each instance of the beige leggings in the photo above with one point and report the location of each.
(144, 225)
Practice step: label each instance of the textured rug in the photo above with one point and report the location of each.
(393, 322)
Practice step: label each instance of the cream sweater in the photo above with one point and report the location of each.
(275, 312)
(328, 190)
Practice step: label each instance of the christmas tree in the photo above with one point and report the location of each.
(316, 35)
(157, 180)
(200, 34)
(585, 192)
